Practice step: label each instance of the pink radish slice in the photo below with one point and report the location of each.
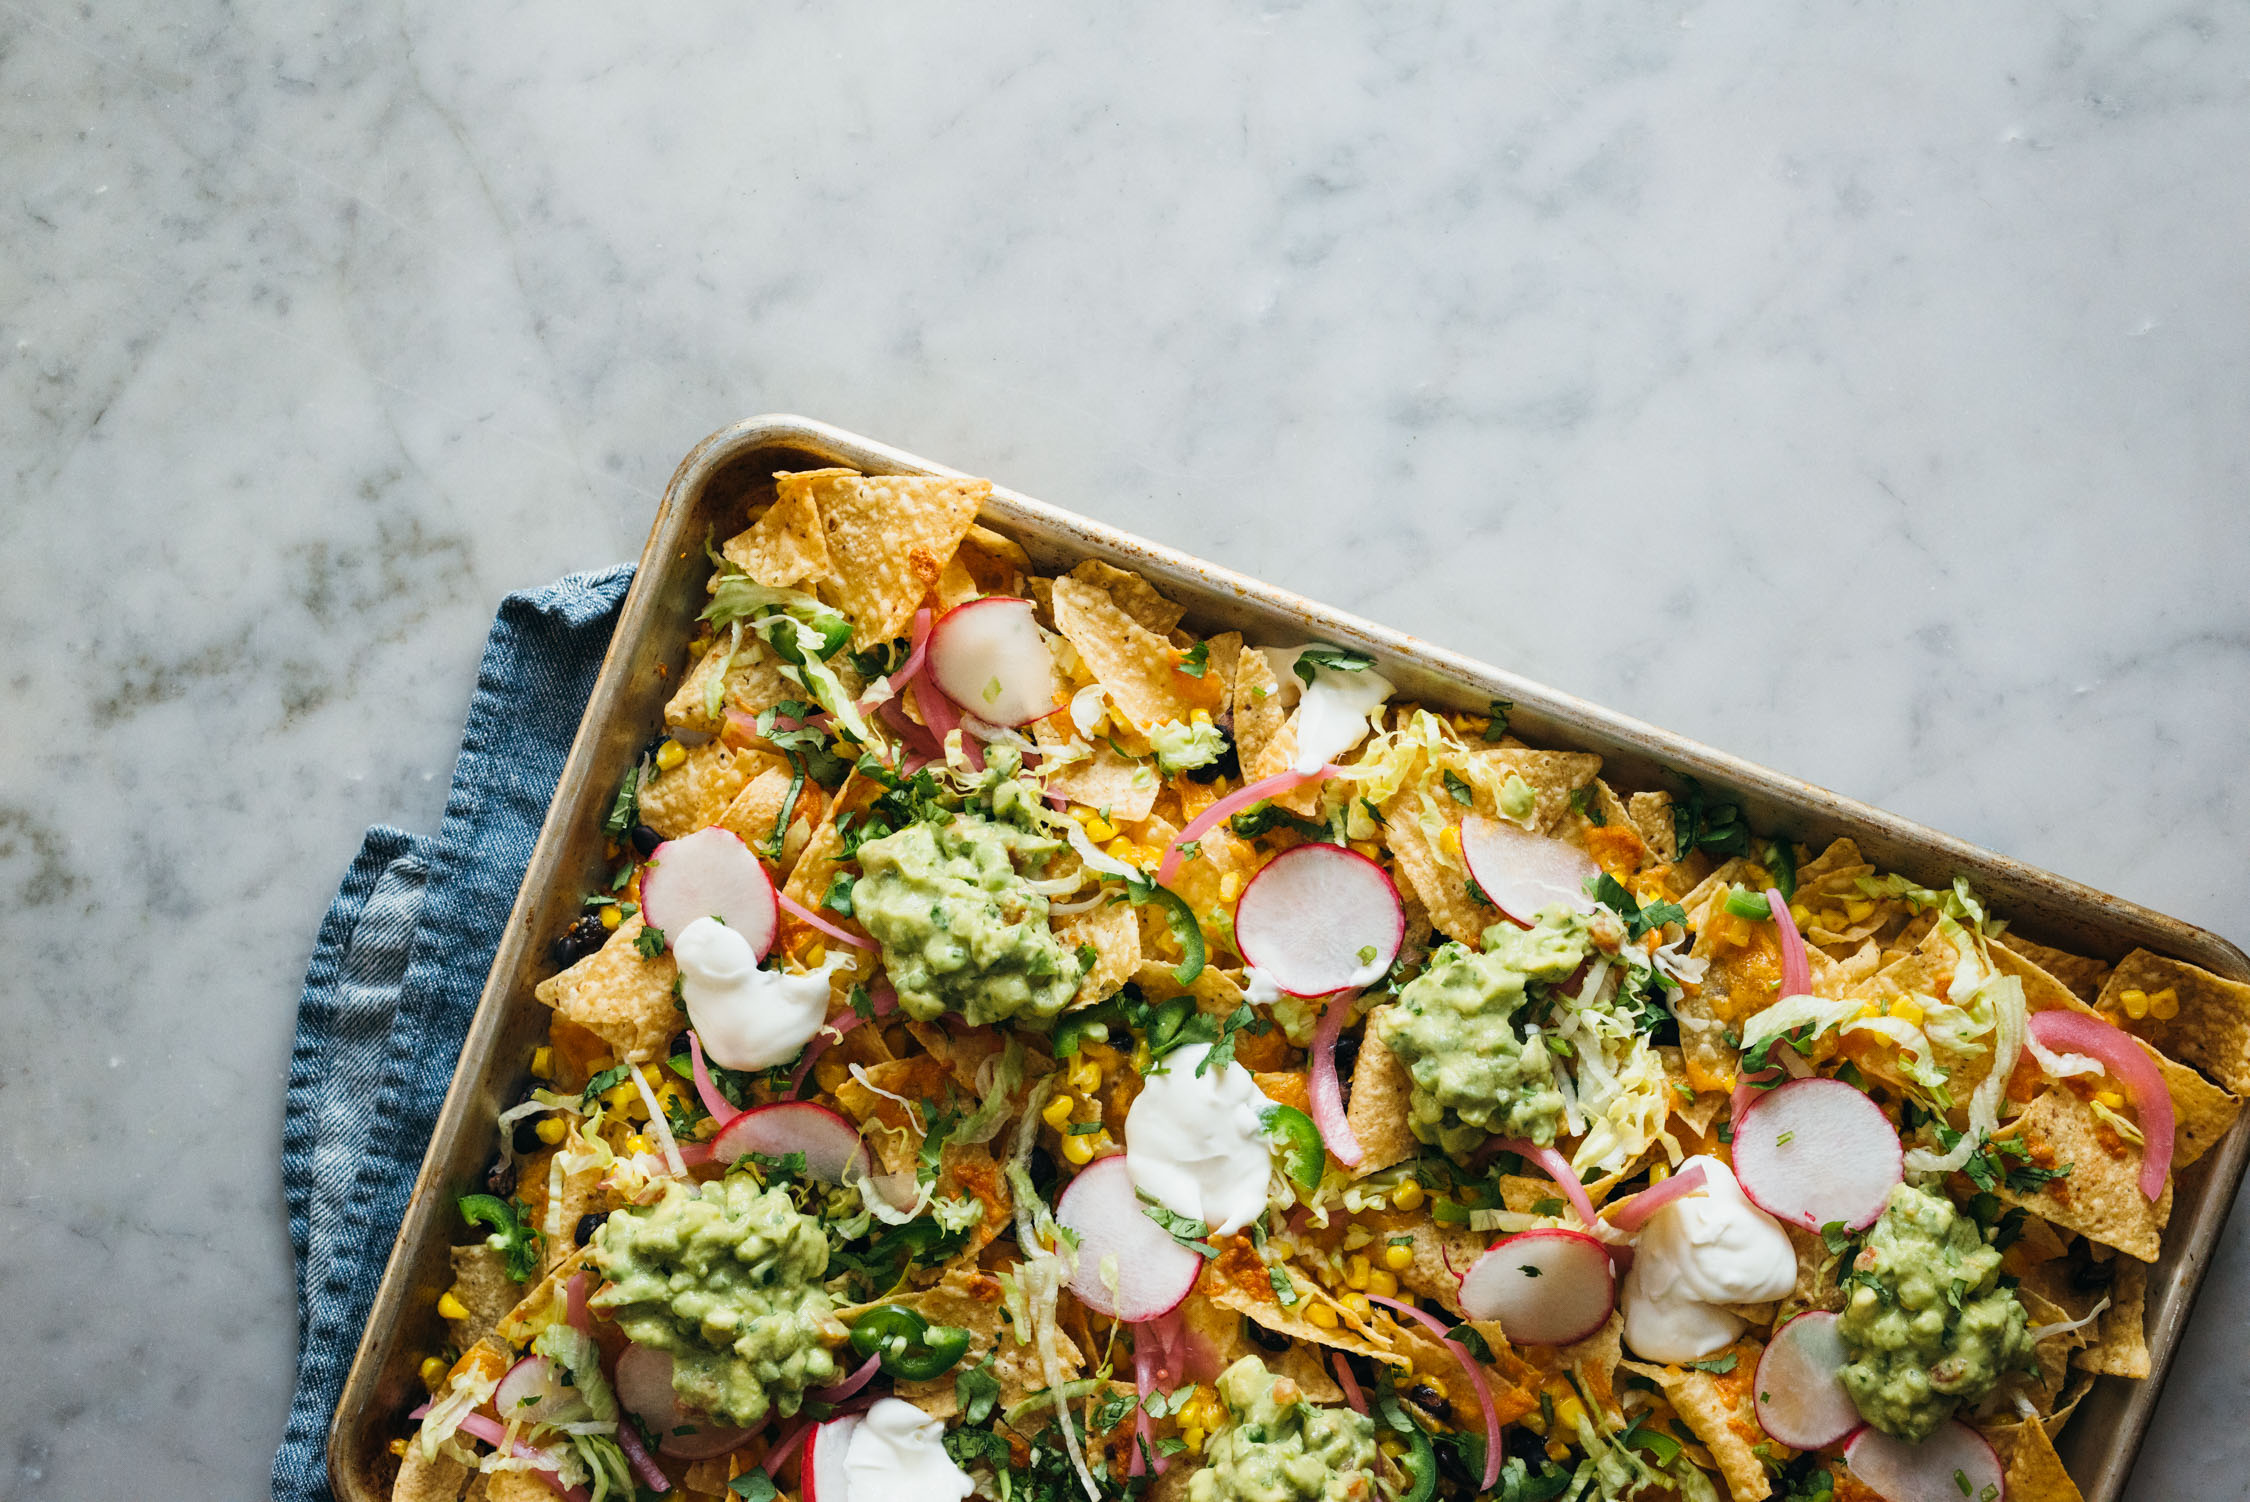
(2075, 1032)
(825, 1477)
(709, 874)
(989, 658)
(1320, 919)
(1815, 1151)
(1950, 1465)
(1634, 1213)
(1524, 872)
(1154, 1272)
(1800, 1401)
(833, 1152)
(1547, 1288)
(531, 1391)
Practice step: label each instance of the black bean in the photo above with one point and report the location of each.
(1228, 764)
(1271, 1340)
(1347, 1056)
(581, 939)
(1425, 1397)
(524, 1137)
(588, 1225)
(1044, 1173)
(645, 840)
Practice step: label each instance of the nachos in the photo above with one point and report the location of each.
(1026, 1047)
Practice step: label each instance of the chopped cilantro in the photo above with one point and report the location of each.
(1497, 725)
(1336, 659)
(1702, 822)
(649, 941)
(1639, 921)
(1462, 793)
(1196, 661)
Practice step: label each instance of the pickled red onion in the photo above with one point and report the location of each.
(1349, 1383)
(1796, 965)
(907, 669)
(1493, 1444)
(495, 1434)
(636, 1454)
(574, 1305)
(721, 1110)
(1234, 802)
(810, 919)
(849, 1385)
(943, 717)
(1555, 1166)
(1634, 1213)
(2121, 1054)
(1327, 1093)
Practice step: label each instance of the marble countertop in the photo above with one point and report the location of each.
(1859, 389)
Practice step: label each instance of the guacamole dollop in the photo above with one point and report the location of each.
(1453, 1026)
(961, 930)
(1280, 1448)
(1935, 1330)
(726, 1278)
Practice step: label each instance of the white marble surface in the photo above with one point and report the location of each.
(1859, 388)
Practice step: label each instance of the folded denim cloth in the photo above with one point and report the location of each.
(394, 979)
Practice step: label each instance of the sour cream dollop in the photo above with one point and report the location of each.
(1333, 709)
(898, 1454)
(1695, 1254)
(747, 1018)
(1194, 1144)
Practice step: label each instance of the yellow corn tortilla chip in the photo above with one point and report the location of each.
(619, 994)
(1134, 595)
(888, 539)
(1114, 932)
(998, 546)
(535, 1310)
(2042, 991)
(967, 1170)
(1719, 1412)
(1713, 888)
(809, 879)
(785, 547)
(1106, 781)
(753, 684)
(956, 585)
(1442, 886)
(751, 814)
(1651, 814)
(420, 1480)
(1553, 776)
(1259, 716)
(2100, 1198)
(482, 1284)
(1239, 1281)
(2202, 1113)
(1817, 1271)
(2212, 1030)
(894, 1131)
(2035, 1472)
(2081, 975)
(1137, 667)
(1439, 1250)
(1222, 663)
(694, 794)
(1377, 1109)
(972, 1300)
(2120, 1344)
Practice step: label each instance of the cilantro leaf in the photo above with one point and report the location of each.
(649, 941)
(1186, 1230)
(625, 812)
(1462, 793)
(1497, 726)
(1639, 921)
(976, 1388)
(1702, 822)
(754, 1485)
(1196, 661)
(1335, 659)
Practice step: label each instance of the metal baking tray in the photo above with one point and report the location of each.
(734, 468)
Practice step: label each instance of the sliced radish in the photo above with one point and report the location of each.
(533, 1391)
(833, 1151)
(1801, 1402)
(644, 1386)
(709, 874)
(1524, 872)
(1319, 919)
(1153, 1272)
(989, 658)
(825, 1477)
(1952, 1464)
(1547, 1288)
(1815, 1151)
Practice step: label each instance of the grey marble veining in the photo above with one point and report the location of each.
(1861, 389)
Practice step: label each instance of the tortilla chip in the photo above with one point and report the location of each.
(2082, 976)
(1553, 775)
(2202, 1113)
(482, 1284)
(888, 539)
(516, 1486)
(2035, 1472)
(753, 685)
(2212, 1030)
(786, 546)
(1651, 814)
(1719, 1412)
(419, 1480)
(816, 868)
(534, 1309)
(1238, 1281)
(1259, 715)
(893, 1130)
(971, 1299)
(1134, 595)
(1114, 931)
(998, 546)
(617, 993)
(1595, 1358)
(1442, 887)
(2101, 1196)
(694, 794)
(1116, 786)
(1223, 663)
(2119, 1347)
(967, 1170)
(1138, 667)
(752, 812)
(1817, 1269)
(1377, 1109)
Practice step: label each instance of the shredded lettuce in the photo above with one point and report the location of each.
(580, 1362)
(463, 1396)
(803, 633)
(985, 1122)
(1195, 744)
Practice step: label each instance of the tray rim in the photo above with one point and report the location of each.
(1754, 782)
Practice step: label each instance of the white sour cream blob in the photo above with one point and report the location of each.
(747, 1018)
(1258, 988)
(1333, 709)
(1195, 1145)
(1695, 1254)
(897, 1454)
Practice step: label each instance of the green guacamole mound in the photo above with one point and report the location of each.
(727, 1279)
(1453, 1027)
(960, 929)
(1281, 1448)
(1937, 1331)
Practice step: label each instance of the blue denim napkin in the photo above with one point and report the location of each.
(395, 976)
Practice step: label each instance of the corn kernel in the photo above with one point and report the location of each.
(1437, 1385)
(1283, 1247)
(1086, 1078)
(397, 1447)
(1398, 1259)
(1079, 1150)
(1371, 851)
(1355, 1235)
(1801, 913)
(1659, 1172)
(2136, 1002)
(451, 1307)
(1907, 1009)
(1057, 1112)
(1322, 1315)
(1194, 1438)
(551, 1131)
(1405, 1298)
(832, 1072)
(1557, 1450)
(1355, 1272)
(1570, 1413)
(543, 1062)
(1450, 842)
(1230, 886)
(1391, 1447)
(1384, 1283)
(611, 917)
(433, 1370)
(1100, 828)
(2164, 1005)
(1859, 910)
(1356, 1305)
(2111, 1099)
(636, 1143)
(670, 755)
(623, 1099)
(1407, 1196)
